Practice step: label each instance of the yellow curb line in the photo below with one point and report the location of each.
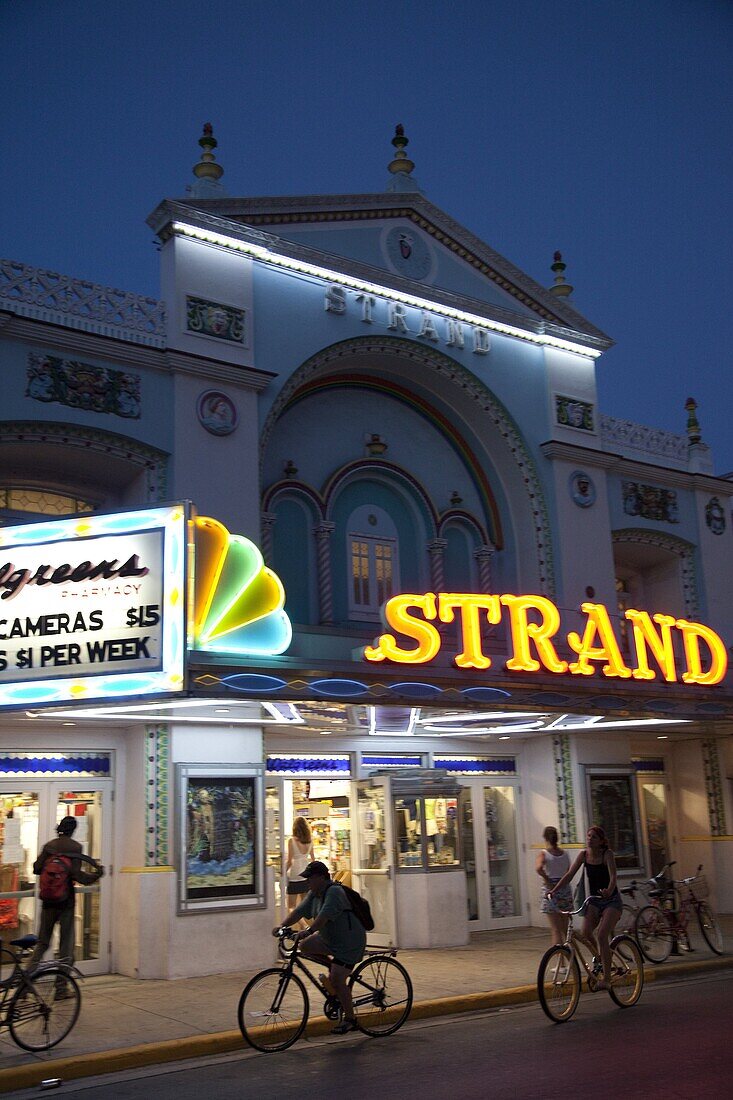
(222, 1042)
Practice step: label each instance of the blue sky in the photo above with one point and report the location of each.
(599, 127)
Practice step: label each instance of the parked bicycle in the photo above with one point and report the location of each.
(274, 1006)
(559, 983)
(41, 1008)
(665, 921)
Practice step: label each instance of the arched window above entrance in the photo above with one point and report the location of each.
(24, 504)
(373, 561)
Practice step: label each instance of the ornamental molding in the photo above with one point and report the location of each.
(459, 376)
(162, 222)
(76, 303)
(416, 208)
(682, 549)
(635, 470)
(625, 434)
(250, 378)
(153, 461)
(54, 337)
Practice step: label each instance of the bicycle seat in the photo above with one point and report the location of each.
(656, 893)
(628, 890)
(25, 941)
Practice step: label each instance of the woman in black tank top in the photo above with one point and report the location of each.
(603, 904)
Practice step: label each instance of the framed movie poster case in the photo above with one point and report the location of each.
(221, 850)
(612, 804)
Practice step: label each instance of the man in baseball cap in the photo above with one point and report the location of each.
(336, 936)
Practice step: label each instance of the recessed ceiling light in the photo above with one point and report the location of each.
(222, 710)
(662, 737)
(324, 733)
(69, 723)
(504, 737)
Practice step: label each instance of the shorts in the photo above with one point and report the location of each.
(562, 900)
(602, 904)
(296, 886)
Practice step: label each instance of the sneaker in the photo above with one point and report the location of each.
(344, 1027)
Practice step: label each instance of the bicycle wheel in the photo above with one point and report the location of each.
(558, 983)
(273, 1010)
(627, 971)
(710, 929)
(382, 993)
(42, 1014)
(654, 933)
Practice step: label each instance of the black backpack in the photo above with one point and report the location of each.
(359, 906)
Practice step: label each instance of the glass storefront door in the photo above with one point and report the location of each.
(653, 800)
(373, 870)
(491, 848)
(29, 814)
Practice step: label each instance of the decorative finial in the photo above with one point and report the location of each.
(561, 289)
(207, 168)
(375, 445)
(401, 163)
(456, 498)
(693, 425)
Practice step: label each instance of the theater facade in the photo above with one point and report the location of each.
(336, 529)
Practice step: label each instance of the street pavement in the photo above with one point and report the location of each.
(673, 1045)
(121, 1013)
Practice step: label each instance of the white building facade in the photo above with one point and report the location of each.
(385, 407)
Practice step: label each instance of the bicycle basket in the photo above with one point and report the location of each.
(694, 889)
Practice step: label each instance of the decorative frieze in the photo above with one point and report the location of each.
(625, 435)
(650, 502)
(62, 300)
(570, 413)
(714, 787)
(564, 789)
(83, 386)
(221, 322)
(157, 795)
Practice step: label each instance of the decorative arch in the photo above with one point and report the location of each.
(365, 468)
(675, 546)
(313, 375)
(16, 435)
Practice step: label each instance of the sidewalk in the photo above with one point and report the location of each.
(119, 1013)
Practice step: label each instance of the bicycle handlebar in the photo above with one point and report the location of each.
(574, 912)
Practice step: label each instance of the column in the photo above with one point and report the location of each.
(267, 522)
(564, 788)
(436, 550)
(323, 534)
(714, 787)
(483, 556)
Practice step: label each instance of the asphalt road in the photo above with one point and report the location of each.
(676, 1044)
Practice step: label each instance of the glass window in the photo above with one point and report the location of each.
(655, 812)
(86, 807)
(42, 502)
(373, 563)
(18, 850)
(501, 839)
(373, 846)
(441, 831)
(408, 832)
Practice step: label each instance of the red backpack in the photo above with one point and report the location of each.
(55, 882)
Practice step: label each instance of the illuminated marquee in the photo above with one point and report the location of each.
(238, 601)
(93, 607)
(534, 622)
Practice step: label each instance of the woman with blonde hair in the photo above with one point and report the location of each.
(300, 854)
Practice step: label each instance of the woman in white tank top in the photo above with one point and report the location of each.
(300, 854)
(552, 864)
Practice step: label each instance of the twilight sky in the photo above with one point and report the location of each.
(599, 127)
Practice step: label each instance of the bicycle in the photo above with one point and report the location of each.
(665, 921)
(39, 1008)
(558, 978)
(274, 1006)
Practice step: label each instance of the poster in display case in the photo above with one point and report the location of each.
(611, 794)
(221, 837)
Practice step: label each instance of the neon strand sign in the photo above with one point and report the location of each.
(532, 638)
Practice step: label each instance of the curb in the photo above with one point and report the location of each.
(224, 1042)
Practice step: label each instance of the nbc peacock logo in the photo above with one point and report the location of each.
(238, 602)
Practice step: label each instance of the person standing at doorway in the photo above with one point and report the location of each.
(552, 864)
(300, 854)
(59, 867)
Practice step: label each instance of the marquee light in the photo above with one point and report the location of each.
(238, 601)
(532, 640)
(259, 252)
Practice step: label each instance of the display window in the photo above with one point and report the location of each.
(426, 832)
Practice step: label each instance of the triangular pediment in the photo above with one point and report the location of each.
(407, 236)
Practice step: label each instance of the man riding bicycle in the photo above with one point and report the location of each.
(336, 937)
